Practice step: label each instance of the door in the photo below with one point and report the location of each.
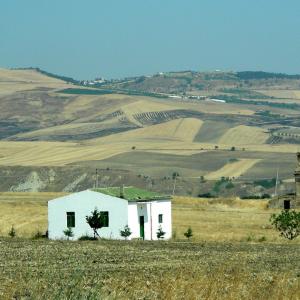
(142, 227)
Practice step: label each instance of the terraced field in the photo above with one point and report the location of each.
(244, 135)
(233, 170)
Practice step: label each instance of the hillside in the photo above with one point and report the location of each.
(149, 127)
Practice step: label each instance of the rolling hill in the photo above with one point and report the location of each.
(149, 127)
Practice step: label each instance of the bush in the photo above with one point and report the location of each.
(12, 232)
(287, 223)
(87, 238)
(266, 183)
(189, 233)
(68, 232)
(38, 235)
(262, 239)
(206, 195)
(160, 233)
(126, 232)
(229, 185)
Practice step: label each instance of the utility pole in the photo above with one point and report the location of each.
(276, 183)
(174, 186)
(96, 178)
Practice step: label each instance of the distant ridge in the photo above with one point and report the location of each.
(241, 75)
(61, 77)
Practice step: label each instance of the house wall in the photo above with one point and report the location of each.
(83, 203)
(164, 208)
(150, 211)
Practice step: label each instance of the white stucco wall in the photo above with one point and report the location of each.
(150, 211)
(164, 208)
(83, 203)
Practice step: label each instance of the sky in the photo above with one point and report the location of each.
(119, 38)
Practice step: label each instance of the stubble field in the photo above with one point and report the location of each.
(234, 254)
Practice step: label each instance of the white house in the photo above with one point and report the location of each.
(143, 211)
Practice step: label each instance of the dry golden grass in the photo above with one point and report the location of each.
(12, 81)
(235, 169)
(244, 135)
(179, 130)
(224, 219)
(174, 140)
(27, 212)
(291, 94)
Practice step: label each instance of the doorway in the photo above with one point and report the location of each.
(287, 204)
(142, 227)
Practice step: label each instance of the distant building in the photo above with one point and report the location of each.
(217, 100)
(143, 211)
(290, 200)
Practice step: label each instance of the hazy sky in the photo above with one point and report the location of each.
(117, 38)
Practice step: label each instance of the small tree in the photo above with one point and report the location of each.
(68, 232)
(12, 232)
(96, 221)
(126, 232)
(232, 148)
(160, 233)
(287, 223)
(175, 175)
(188, 233)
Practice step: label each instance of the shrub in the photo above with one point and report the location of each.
(189, 233)
(87, 238)
(38, 235)
(12, 232)
(250, 237)
(160, 233)
(126, 232)
(266, 183)
(68, 232)
(174, 235)
(262, 239)
(206, 195)
(229, 185)
(287, 223)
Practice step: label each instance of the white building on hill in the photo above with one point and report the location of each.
(144, 212)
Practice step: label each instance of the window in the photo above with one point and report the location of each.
(70, 219)
(105, 218)
(160, 218)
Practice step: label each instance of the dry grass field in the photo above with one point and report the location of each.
(234, 254)
(234, 169)
(244, 135)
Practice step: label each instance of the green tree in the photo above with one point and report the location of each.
(68, 232)
(287, 223)
(12, 232)
(175, 175)
(160, 233)
(96, 221)
(189, 233)
(126, 232)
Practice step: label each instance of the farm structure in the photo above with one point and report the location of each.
(144, 212)
(290, 200)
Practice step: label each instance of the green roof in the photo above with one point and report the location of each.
(132, 194)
